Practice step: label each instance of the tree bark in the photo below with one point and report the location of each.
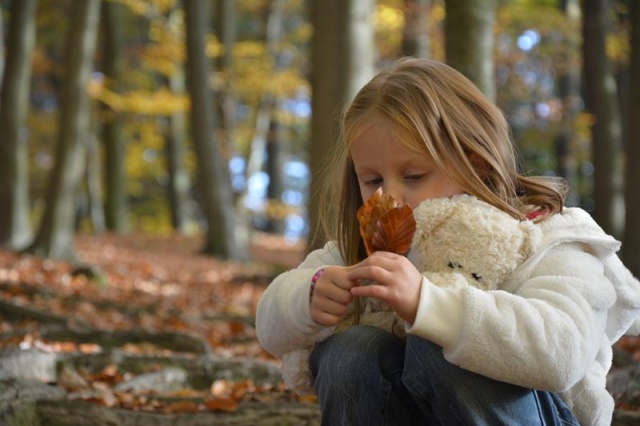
(568, 84)
(55, 234)
(631, 237)
(601, 101)
(469, 41)
(113, 63)
(212, 175)
(342, 58)
(15, 227)
(415, 34)
(179, 180)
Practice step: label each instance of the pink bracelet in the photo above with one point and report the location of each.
(314, 280)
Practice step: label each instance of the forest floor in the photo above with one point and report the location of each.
(143, 326)
(149, 331)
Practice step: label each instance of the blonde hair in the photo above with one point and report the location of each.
(436, 110)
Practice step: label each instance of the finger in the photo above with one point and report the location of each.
(384, 254)
(326, 319)
(331, 307)
(374, 273)
(336, 294)
(375, 291)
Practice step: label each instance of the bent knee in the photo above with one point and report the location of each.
(355, 353)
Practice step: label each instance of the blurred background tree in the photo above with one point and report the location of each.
(573, 111)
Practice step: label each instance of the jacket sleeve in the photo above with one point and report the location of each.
(283, 319)
(543, 332)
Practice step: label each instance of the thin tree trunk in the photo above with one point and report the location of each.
(55, 234)
(93, 173)
(569, 93)
(226, 29)
(469, 41)
(601, 101)
(631, 237)
(415, 34)
(342, 58)
(15, 228)
(179, 181)
(275, 221)
(265, 108)
(113, 63)
(213, 175)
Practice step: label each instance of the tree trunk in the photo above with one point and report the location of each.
(469, 40)
(342, 59)
(568, 84)
(179, 180)
(113, 62)
(15, 228)
(55, 234)
(275, 220)
(265, 108)
(226, 30)
(631, 237)
(601, 101)
(415, 34)
(213, 177)
(93, 173)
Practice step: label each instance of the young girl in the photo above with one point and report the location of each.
(536, 351)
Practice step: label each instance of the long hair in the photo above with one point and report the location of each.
(433, 109)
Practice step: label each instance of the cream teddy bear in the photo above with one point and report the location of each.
(464, 241)
(458, 241)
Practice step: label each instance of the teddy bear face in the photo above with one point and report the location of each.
(467, 236)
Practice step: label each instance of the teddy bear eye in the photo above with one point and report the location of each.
(476, 277)
(454, 265)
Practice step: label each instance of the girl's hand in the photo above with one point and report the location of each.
(397, 282)
(331, 296)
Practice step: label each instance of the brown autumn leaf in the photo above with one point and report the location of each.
(224, 404)
(385, 225)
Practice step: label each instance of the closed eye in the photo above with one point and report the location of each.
(374, 181)
(415, 177)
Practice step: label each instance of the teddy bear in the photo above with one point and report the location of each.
(463, 240)
(458, 241)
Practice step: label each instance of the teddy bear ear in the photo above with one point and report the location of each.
(430, 214)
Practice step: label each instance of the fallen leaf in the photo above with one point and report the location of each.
(385, 225)
(227, 405)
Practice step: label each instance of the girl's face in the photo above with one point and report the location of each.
(382, 160)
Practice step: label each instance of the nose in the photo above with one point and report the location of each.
(394, 189)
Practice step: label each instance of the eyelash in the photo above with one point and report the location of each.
(413, 178)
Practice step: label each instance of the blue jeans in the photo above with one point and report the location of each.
(367, 376)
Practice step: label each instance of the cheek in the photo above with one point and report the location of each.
(452, 189)
(365, 193)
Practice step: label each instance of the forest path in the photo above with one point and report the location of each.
(147, 331)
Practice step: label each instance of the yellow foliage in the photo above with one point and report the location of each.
(389, 19)
(438, 12)
(287, 83)
(618, 48)
(165, 57)
(145, 7)
(388, 24)
(243, 49)
(214, 47)
(159, 102)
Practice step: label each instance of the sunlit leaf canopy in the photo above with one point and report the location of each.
(532, 39)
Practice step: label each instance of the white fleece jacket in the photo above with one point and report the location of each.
(550, 326)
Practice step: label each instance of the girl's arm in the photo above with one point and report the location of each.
(283, 319)
(544, 335)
